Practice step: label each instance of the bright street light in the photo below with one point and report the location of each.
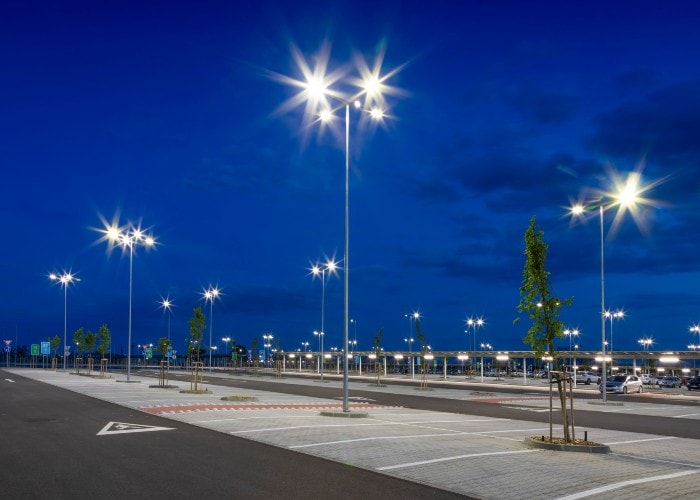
(128, 236)
(210, 295)
(316, 92)
(627, 197)
(64, 279)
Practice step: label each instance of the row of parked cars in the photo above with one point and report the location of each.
(632, 383)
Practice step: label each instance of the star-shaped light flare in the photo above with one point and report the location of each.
(321, 99)
(125, 236)
(628, 195)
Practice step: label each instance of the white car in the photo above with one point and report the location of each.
(622, 384)
(647, 379)
(587, 378)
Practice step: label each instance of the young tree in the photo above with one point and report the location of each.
(105, 339)
(542, 307)
(254, 348)
(55, 342)
(79, 340)
(197, 325)
(162, 348)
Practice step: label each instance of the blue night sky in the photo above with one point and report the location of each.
(170, 115)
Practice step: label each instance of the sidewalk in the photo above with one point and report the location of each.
(475, 456)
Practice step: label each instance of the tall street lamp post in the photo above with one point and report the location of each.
(626, 197)
(64, 279)
(317, 94)
(210, 295)
(129, 237)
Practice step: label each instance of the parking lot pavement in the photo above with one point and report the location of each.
(475, 456)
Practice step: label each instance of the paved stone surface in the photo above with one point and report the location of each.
(476, 456)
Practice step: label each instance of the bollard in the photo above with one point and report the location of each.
(585, 435)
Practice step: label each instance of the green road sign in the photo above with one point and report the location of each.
(35, 349)
(149, 353)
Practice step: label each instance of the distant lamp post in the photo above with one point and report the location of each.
(474, 323)
(226, 341)
(129, 236)
(210, 295)
(331, 266)
(611, 315)
(414, 316)
(267, 346)
(571, 332)
(167, 305)
(627, 197)
(64, 279)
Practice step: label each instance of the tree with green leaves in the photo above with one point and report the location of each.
(55, 342)
(163, 348)
(78, 340)
(542, 307)
(197, 325)
(105, 340)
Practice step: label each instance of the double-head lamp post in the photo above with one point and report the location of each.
(331, 266)
(210, 295)
(626, 198)
(316, 91)
(64, 279)
(130, 237)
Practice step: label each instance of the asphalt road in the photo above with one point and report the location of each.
(664, 426)
(51, 449)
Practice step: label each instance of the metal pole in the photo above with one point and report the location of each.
(211, 328)
(131, 279)
(346, 308)
(323, 320)
(65, 322)
(602, 303)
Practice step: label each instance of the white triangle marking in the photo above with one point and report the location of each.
(124, 428)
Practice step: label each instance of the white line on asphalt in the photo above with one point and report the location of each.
(642, 440)
(301, 427)
(377, 438)
(457, 457)
(10, 380)
(615, 486)
(658, 460)
(686, 415)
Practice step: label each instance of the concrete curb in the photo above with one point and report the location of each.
(583, 448)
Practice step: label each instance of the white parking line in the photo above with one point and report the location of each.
(615, 486)
(457, 457)
(301, 427)
(377, 438)
(687, 415)
(642, 440)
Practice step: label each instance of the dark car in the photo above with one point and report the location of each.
(693, 383)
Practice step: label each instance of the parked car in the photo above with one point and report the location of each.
(584, 377)
(669, 381)
(693, 383)
(623, 384)
(647, 378)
